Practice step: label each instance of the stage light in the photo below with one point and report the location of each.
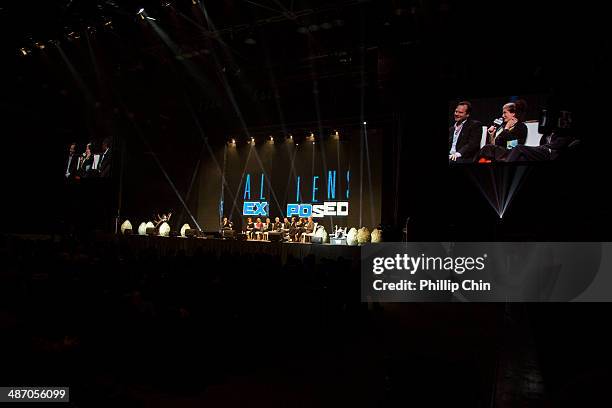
(151, 18)
(291, 137)
(313, 142)
(127, 225)
(108, 23)
(40, 45)
(297, 144)
(337, 134)
(164, 230)
(166, 3)
(365, 123)
(24, 52)
(142, 229)
(195, 2)
(233, 141)
(141, 13)
(73, 35)
(271, 138)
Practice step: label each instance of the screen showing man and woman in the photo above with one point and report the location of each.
(509, 130)
(88, 160)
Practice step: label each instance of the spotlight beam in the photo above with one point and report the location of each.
(263, 6)
(164, 172)
(202, 135)
(148, 146)
(194, 175)
(292, 171)
(230, 95)
(145, 141)
(367, 152)
(267, 178)
(246, 163)
(517, 181)
(76, 76)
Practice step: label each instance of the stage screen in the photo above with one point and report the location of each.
(335, 179)
(510, 129)
(88, 160)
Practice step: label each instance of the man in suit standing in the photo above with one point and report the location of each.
(464, 135)
(70, 169)
(105, 158)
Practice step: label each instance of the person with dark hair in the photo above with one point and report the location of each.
(86, 162)
(267, 226)
(277, 226)
(464, 135)
(227, 224)
(70, 171)
(554, 141)
(104, 166)
(510, 134)
(250, 228)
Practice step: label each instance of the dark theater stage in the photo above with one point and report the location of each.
(437, 121)
(281, 251)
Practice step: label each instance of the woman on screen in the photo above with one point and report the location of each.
(86, 162)
(511, 133)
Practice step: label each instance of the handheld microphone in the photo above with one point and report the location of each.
(498, 122)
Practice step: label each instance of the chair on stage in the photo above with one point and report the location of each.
(339, 237)
(304, 236)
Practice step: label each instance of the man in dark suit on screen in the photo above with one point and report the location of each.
(105, 158)
(464, 135)
(70, 169)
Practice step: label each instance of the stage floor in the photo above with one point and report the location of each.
(283, 250)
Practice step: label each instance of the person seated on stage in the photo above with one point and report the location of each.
(511, 133)
(267, 226)
(227, 224)
(285, 224)
(309, 226)
(277, 226)
(293, 226)
(250, 228)
(299, 229)
(258, 228)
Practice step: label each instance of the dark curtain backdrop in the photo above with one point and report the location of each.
(282, 162)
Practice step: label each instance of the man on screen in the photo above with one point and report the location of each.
(70, 171)
(464, 135)
(105, 158)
